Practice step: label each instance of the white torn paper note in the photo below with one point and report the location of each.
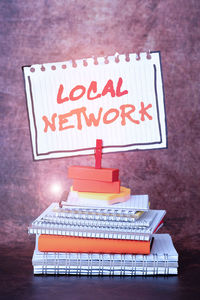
(122, 103)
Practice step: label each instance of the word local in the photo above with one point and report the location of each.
(81, 90)
(125, 112)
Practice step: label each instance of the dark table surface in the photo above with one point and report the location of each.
(18, 282)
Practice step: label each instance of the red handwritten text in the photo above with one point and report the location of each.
(79, 91)
(125, 113)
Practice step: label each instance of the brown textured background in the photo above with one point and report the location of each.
(49, 31)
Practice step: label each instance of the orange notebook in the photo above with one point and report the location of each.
(94, 186)
(61, 243)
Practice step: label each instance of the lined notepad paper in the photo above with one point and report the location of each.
(67, 101)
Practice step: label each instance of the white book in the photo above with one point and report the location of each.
(163, 259)
(136, 202)
(56, 221)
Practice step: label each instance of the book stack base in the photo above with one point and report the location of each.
(66, 241)
(163, 260)
(101, 229)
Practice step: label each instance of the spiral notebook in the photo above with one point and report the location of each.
(96, 98)
(163, 260)
(61, 223)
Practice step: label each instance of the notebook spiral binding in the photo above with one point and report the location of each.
(101, 265)
(94, 223)
(93, 60)
(119, 212)
(141, 234)
(90, 217)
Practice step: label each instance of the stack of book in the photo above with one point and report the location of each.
(101, 229)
